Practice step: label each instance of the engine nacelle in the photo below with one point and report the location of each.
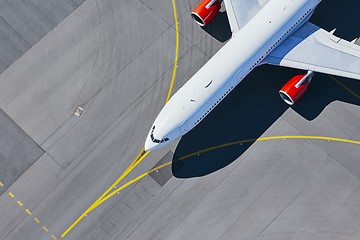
(294, 89)
(205, 11)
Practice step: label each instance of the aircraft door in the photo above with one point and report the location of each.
(184, 128)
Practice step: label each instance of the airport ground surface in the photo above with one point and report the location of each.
(115, 59)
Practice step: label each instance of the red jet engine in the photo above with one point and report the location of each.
(294, 89)
(205, 11)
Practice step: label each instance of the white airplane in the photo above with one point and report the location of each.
(273, 32)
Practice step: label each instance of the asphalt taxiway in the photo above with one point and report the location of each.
(115, 60)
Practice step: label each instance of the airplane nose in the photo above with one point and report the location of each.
(161, 139)
(150, 145)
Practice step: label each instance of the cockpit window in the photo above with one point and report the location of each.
(157, 140)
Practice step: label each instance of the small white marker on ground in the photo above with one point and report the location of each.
(78, 111)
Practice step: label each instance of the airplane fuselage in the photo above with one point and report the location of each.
(277, 20)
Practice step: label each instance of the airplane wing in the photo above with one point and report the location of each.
(241, 11)
(313, 48)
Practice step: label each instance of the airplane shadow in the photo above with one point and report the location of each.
(219, 27)
(342, 16)
(247, 112)
(254, 105)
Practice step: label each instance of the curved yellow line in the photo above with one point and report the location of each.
(109, 194)
(176, 52)
(118, 190)
(267, 139)
(141, 156)
(223, 146)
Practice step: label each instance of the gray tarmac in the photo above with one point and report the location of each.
(24, 23)
(115, 60)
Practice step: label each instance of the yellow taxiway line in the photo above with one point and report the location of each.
(176, 51)
(322, 138)
(141, 156)
(268, 139)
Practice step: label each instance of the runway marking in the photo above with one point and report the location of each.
(345, 87)
(142, 155)
(176, 51)
(19, 203)
(322, 138)
(28, 211)
(1, 184)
